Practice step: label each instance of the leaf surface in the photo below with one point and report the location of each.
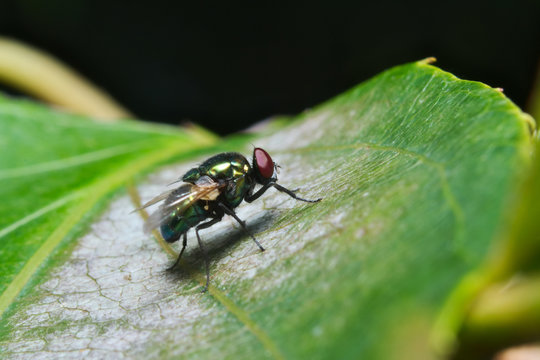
(414, 166)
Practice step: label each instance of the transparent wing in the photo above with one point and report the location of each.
(180, 199)
(155, 200)
(163, 212)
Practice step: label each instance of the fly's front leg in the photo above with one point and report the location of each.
(291, 193)
(203, 250)
(253, 197)
(242, 223)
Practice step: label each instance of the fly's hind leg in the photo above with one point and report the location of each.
(184, 243)
(203, 250)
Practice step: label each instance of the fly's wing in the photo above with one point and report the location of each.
(181, 199)
(163, 212)
(155, 200)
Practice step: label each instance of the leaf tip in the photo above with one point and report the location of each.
(428, 61)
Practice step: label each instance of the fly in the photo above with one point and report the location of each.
(210, 191)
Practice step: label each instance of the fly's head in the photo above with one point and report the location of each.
(264, 168)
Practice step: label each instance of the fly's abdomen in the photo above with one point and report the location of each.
(177, 225)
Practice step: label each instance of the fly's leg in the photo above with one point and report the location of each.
(184, 243)
(291, 193)
(242, 223)
(201, 246)
(253, 197)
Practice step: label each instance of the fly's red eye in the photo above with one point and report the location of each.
(263, 162)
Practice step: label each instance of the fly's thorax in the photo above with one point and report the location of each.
(236, 171)
(226, 166)
(236, 190)
(191, 176)
(231, 169)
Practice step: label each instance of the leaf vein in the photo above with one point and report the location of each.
(36, 214)
(72, 161)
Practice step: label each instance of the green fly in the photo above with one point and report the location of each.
(210, 191)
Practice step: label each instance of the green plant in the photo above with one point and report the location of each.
(417, 169)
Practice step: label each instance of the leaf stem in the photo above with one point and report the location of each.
(43, 76)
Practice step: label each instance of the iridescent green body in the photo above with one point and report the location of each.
(231, 169)
(184, 217)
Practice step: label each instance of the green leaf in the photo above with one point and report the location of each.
(414, 167)
(55, 168)
(503, 299)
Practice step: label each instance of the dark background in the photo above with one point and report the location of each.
(226, 67)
